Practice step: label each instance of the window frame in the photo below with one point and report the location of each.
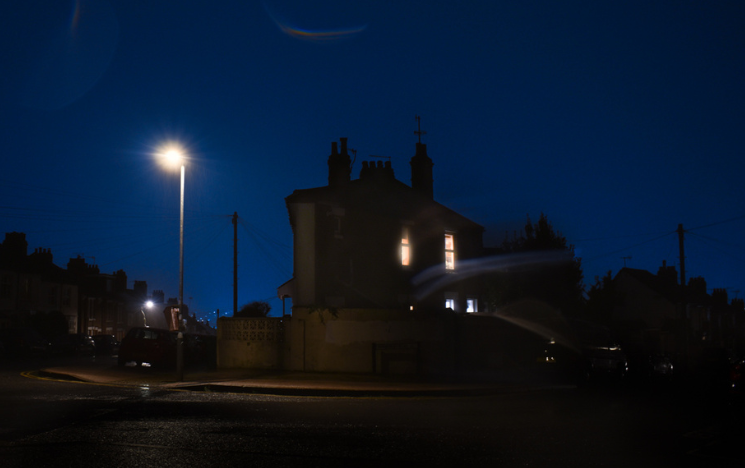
(449, 252)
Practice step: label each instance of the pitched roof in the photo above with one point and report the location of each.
(651, 281)
(387, 197)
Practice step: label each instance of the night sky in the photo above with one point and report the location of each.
(618, 120)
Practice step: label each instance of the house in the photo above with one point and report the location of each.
(361, 243)
(106, 306)
(380, 283)
(655, 315)
(32, 287)
(33, 284)
(648, 316)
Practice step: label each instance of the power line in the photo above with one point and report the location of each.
(716, 223)
(629, 247)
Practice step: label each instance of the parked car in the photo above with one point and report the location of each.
(106, 345)
(660, 366)
(603, 358)
(157, 347)
(154, 346)
(23, 342)
(78, 344)
(737, 375)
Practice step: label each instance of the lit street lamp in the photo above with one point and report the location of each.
(149, 306)
(173, 156)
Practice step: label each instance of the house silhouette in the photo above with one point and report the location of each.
(359, 243)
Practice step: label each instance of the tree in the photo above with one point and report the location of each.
(602, 298)
(559, 285)
(254, 309)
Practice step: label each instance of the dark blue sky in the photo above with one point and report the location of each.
(619, 120)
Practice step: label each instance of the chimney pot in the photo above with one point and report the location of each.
(343, 145)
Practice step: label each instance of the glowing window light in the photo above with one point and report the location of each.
(405, 248)
(449, 252)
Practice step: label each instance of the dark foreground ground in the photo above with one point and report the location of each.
(643, 424)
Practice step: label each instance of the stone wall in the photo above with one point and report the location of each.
(250, 343)
(374, 341)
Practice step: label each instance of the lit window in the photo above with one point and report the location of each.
(449, 252)
(472, 305)
(450, 304)
(405, 247)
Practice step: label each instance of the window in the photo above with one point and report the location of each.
(52, 296)
(335, 215)
(449, 252)
(472, 305)
(450, 304)
(405, 247)
(67, 296)
(6, 287)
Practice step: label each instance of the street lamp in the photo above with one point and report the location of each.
(148, 305)
(173, 156)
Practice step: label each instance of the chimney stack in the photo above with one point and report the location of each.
(421, 171)
(339, 165)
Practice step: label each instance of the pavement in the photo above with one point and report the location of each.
(270, 382)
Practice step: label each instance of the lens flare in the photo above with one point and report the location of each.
(318, 36)
(327, 11)
(73, 56)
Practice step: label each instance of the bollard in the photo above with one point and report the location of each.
(180, 357)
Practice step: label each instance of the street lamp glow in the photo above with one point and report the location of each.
(172, 156)
(149, 305)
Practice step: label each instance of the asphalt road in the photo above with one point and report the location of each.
(54, 423)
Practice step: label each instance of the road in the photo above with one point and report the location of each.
(54, 423)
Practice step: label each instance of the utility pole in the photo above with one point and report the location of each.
(235, 262)
(686, 325)
(682, 257)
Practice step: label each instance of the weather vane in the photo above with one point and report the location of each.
(419, 131)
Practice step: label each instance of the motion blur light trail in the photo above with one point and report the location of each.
(438, 277)
(541, 319)
(532, 315)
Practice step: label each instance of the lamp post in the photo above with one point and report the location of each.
(173, 156)
(148, 305)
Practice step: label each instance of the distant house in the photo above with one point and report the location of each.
(33, 284)
(648, 316)
(360, 243)
(91, 302)
(655, 315)
(106, 306)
